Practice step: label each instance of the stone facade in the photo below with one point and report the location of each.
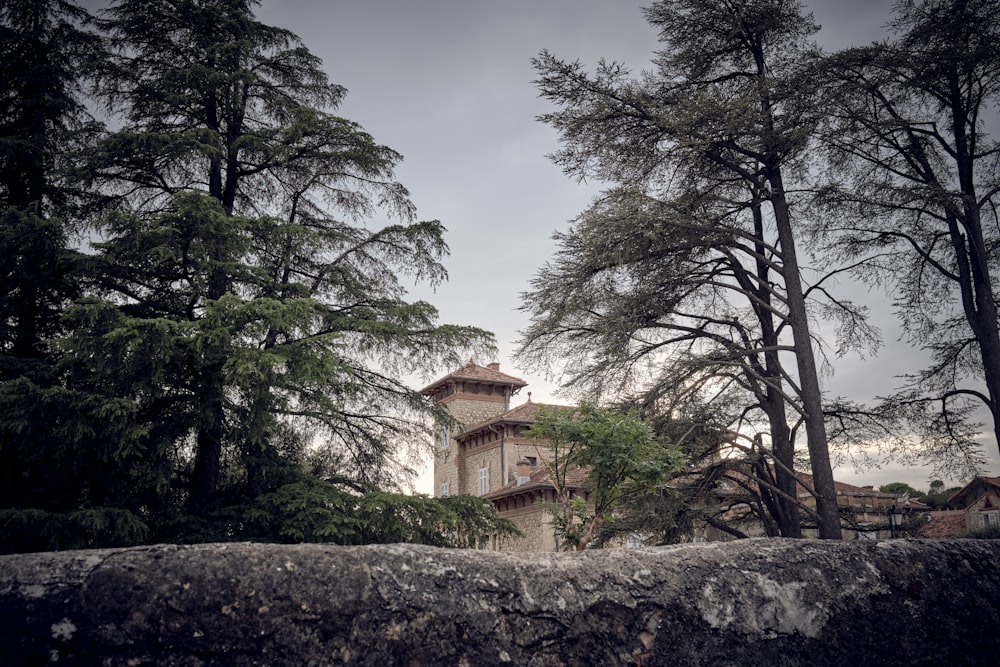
(535, 522)
(472, 395)
(980, 501)
(480, 452)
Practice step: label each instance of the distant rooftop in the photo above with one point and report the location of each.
(473, 371)
(525, 413)
(944, 525)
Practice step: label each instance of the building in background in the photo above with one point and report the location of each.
(979, 501)
(486, 453)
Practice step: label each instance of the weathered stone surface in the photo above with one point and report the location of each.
(753, 602)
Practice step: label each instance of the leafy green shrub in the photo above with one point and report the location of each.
(27, 530)
(987, 533)
(313, 510)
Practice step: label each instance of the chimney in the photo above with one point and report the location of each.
(495, 366)
(523, 471)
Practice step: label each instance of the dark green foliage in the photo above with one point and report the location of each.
(314, 510)
(310, 510)
(899, 489)
(617, 451)
(288, 314)
(989, 533)
(46, 55)
(939, 500)
(936, 497)
(37, 530)
(236, 331)
(661, 516)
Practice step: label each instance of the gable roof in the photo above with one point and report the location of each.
(968, 493)
(522, 414)
(473, 371)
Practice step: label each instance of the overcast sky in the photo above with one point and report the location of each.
(448, 83)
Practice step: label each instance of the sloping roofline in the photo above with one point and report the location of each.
(473, 371)
(522, 414)
(986, 481)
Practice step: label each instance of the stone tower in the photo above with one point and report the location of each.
(472, 395)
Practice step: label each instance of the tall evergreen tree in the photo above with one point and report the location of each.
(913, 194)
(239, 237)
(722, 118)
(238, 334)
(47, 53)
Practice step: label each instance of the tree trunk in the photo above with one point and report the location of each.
(812, 399)
(208, 454)
(785, 510)
(981, 313)
(972, 256)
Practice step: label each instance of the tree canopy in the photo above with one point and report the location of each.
(911, 197)
(240, 332)
(685, 277)
(616, 452)
(683, 286)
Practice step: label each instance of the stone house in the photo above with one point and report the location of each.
(526, 501)
(486, 453)
(864, 508)
(979, 501)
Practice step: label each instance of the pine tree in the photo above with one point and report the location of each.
(698, 152)
(240, 232)
(237, 329)
(48, 52)
(913, 193)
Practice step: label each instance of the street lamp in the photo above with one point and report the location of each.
(895, 521)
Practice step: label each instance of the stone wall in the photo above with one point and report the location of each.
(448, 464)
(753, 602)
(535, 522)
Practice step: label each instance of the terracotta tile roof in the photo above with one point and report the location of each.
(473, 371)
(540, 479)
(842, 488)
(524, 413)
(943, 525)
(968, 488)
